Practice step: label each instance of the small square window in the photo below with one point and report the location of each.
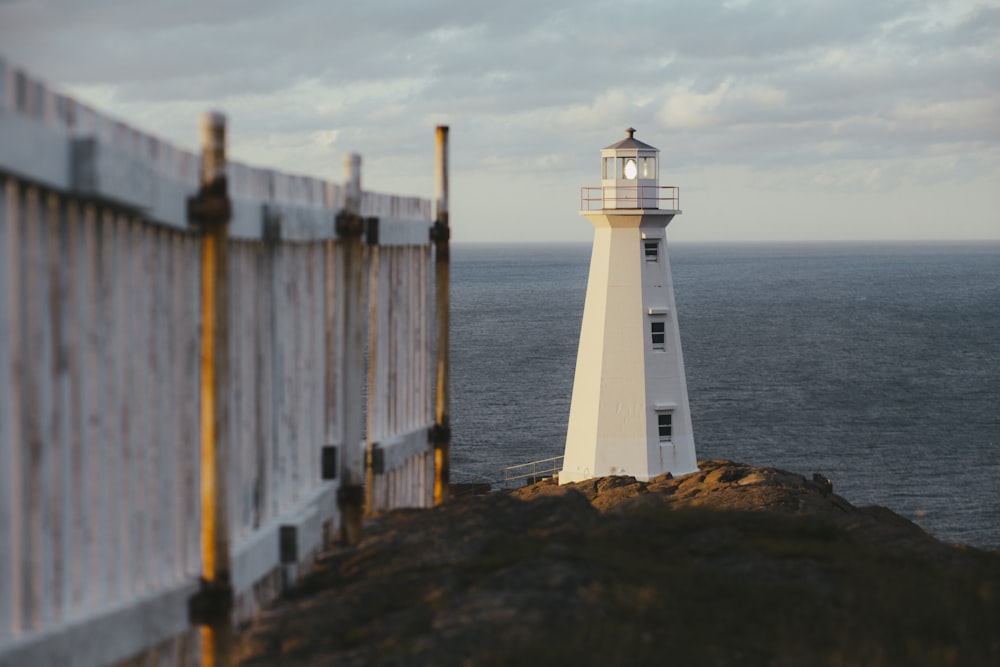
(665, 425)
(658, 331)
(651, 249)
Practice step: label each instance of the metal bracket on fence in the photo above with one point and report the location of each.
(210, 207)
(328, 462)
(371, 231)
(349, 224)
(288, 545)
(377, 459)
(271, 228)
(212, 604)
(351, 494)
(440, 231)
(439, 434)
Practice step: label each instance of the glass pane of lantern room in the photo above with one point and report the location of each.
(648, 169)
(609, 168)
(627, 168)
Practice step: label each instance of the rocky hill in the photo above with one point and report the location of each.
(733, 565)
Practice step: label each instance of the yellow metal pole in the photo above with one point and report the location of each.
(209, 211)
(440, 234)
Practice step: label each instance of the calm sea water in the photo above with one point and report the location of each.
(877, 365)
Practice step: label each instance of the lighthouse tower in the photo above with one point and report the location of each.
(629, 414)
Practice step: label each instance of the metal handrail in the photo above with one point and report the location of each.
(544, 468)
(630, 197)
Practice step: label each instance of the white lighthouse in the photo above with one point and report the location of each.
(629, 414)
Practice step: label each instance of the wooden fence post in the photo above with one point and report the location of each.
(351, 495)
(440, 234)
(210, 212)
(374, 395)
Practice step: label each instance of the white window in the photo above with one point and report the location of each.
(651, 250)
(665, 425)
(658, 331)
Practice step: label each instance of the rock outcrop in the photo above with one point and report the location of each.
(733, 565)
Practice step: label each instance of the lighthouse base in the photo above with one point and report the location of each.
(677, 458)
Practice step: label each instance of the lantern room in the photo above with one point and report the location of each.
(629, 175)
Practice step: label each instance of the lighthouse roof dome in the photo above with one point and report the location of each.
(630, 142)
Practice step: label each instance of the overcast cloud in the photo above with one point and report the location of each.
(804, 119)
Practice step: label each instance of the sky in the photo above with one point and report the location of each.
(797, 120)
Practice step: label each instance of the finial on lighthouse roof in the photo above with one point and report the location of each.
(630, 142)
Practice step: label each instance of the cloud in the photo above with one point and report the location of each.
(604, 111)
(869, 94)
(687, 109)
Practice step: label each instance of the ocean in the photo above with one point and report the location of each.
(877, 365)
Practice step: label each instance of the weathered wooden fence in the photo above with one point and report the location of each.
(136, 346)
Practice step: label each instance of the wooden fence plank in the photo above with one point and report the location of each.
(266, 362)
(33, 381)
(159, 470)
(74, 479)
(60, 412)
(189, 425)
(139, 480)
(11, 374)
(92, 406)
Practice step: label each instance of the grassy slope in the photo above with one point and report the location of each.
(617, 572)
